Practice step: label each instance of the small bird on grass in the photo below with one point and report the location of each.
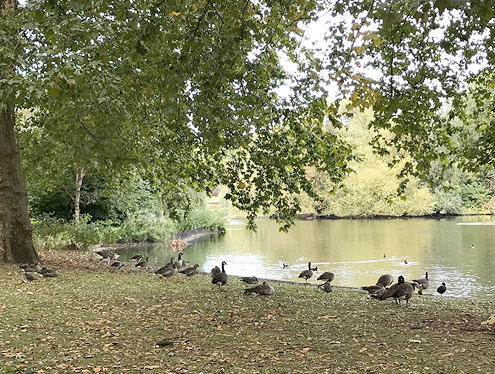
(441, 290)
(29, 277)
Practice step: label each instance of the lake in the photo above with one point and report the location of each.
(458, 251)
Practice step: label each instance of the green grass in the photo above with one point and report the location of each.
(102, 321)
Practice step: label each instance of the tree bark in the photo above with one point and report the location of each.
(16, 243)
(77, 198)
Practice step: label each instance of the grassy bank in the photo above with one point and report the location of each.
(90, 320)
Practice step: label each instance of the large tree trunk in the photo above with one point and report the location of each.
(16, 243)
(77, 197)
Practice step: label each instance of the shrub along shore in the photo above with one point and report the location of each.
(93, 319)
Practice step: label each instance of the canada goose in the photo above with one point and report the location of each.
(328, 276)
(263, 289)
(249, 280)
(373, 289)
(400, 291)
(472, 246)
(306, 274)
(169, 271)
(221, 278)
(214, 271)
(117, 265)
(441, 290)
(45, 270)
(143, 263)
(405, 262)
(423, 283)
(137, 257)
(190, 271)
(325, 287)
(285, 266)
(29, 277)
(51, 274)
(181, 263)
(385, 280)
(383, 293)
(163, 268)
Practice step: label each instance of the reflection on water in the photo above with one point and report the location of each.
(456, 251)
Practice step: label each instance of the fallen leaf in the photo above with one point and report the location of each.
(489, 321)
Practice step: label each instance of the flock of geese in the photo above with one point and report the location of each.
(219, 275)
(382, 290)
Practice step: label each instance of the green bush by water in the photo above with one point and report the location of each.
(52, 233)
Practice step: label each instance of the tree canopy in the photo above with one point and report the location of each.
(190, 91)
(407, 59)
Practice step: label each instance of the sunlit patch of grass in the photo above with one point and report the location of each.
(102, 321)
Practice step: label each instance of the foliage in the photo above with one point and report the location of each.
(186, 91)
(204, 217)
(408, 58)
(51, 233)
(372, 189)
(146, 227)
(458, 191)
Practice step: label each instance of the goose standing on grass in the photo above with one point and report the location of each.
(142, 264)
(163, 268)
(306, 274)
(441, 290)
(180, 262)
(263, 289)
(385, 280)
(169, 271)
(327, 276)
(423, 283)
(325, 287)
(399, 291)
(221, 279)
(190, 271)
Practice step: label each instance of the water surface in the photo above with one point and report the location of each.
(457, 251)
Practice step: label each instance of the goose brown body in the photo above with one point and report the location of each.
(263, 289)
(385, 280)
(306, 274)
(423, 283)
(327, 275)
(221, 279)
(249, 280)
(191, 271)
(400, 291)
